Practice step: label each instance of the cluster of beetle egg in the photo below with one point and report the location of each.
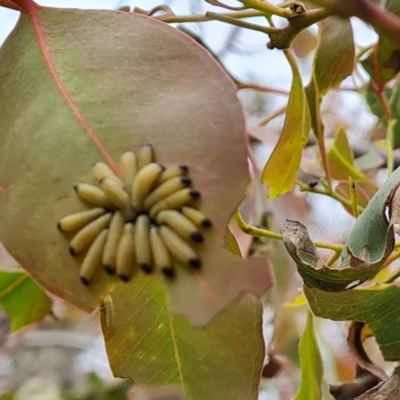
(145, 220)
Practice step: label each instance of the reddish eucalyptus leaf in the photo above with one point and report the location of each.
(383, 63)
(153, 347)
(87, 85)
(9, 4)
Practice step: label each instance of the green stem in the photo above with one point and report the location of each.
(170, 19)
(353, 196)
(333, 258)
(267, 8)
(237, 22)
(390, 145)
(264, 121)
(327, 192)
(254, 231)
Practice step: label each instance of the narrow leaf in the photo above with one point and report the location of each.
(22, 299)
(363, 199)
(333, 62)
(280, 171)
(311, 364)
(334, 56)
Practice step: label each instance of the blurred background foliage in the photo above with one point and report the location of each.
(63, 356)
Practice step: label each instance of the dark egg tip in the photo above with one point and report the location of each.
(124, 278)
(59, 226)
(109, 269)
(195, 194)
(184, 168)
(72, 251)
(75, 187)
(169, 272)
(195, 263)
(85, 280)
(186, 181)
(146, 268)
(206, 223)
(196, 237)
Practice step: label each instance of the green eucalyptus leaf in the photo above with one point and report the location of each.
(22, 299)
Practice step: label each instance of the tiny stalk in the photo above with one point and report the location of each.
(254, 231)
(328, 191)
(389, 145)
(353, 197)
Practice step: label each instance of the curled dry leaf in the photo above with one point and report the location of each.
(367, 248)
(350, 390)
(78, 87)
(358, 333)
(387, 390)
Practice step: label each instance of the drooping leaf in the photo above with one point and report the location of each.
(9, 4)
(370, 243)
(334, 56)
(312, 369)
(333, 62)
(340, 158)
(280, 171)
(371, 160)
(376, 306)
(154, 347)
(22, 299)
(124, 80)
